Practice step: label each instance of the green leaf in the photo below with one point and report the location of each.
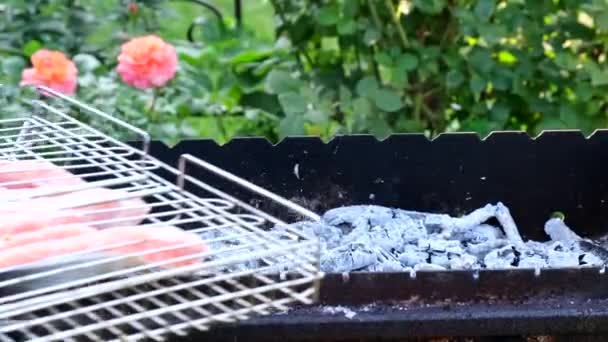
(86, 63)
(484, 9)
(367, 86)
(599, 78)
(454, 79)
(379, 127)
(293, 103)
(568, 115)
(371, 36)
(13, 66)
(399, 77)
(584, 91)
(387, 100)
(602, 20)
(430, 6)
(384, 59)
(31, 47)
(566, 61)
(477, 85)
(408, 61)
(345, 95)
(506, 57)
(328, 15)
(362, 106)
(347, 26)
(500, 113)
(292, 125)
(279, 81)
(481, 60)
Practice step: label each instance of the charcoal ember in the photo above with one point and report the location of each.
(595, 249)
(348, 258)
(437, 245)
(505, 219)
(464, 262)
(328, 235)
(410, 230)
(470, 221)
(562, 258)
(352, 217)
(533, 261)
(440, 259)
(481, 233)
(558, 231)
(504, 257)
(412, 255)
(388, 237)
(387, 266)
(482, 249)
(589, 259)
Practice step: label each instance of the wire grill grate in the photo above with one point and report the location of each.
(99, 295)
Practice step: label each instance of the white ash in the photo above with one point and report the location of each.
(371, 238)
(348, 313)
(379, 239)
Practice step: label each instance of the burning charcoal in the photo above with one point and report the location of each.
(410, 230)
(428, 267)
(558, 259)
(464, 262)
(387, 266)
(504, 257)
(508, 225)
(558, 231)
(590, 248)
(482, 233)
(348, 258)
(472, 220)
(589, 259)
(328, 235)
(388, 237)
(351, 217)
(533, 261)
(411, 256)
(440, 259)
(440, 245)
(481, 249)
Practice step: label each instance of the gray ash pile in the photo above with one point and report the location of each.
(380, 239)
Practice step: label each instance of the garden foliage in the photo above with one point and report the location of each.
(337, 66)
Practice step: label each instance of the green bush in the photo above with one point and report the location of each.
(385, 66)
(336, 67)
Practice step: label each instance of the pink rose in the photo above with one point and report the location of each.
(147, 62)
(51, 69)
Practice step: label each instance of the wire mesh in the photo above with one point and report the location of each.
(111, 287)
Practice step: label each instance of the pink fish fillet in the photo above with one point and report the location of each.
(122, 212)
(150, 238)
(44, 235)
(36, 218)
(34, 214)
(34, 173)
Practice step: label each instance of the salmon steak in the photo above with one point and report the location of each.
(43, 235)
(24, 174)
(175, 243)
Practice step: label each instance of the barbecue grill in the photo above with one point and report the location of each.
(99, 296)
(557, 171)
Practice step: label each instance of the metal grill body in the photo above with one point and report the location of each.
(92, 295)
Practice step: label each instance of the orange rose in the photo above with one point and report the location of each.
(51, 69)
(147, 62)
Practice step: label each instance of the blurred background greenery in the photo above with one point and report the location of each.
(326, 67)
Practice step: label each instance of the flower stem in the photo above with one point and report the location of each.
(152, 106)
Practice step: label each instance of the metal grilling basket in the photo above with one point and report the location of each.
(101, 295)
